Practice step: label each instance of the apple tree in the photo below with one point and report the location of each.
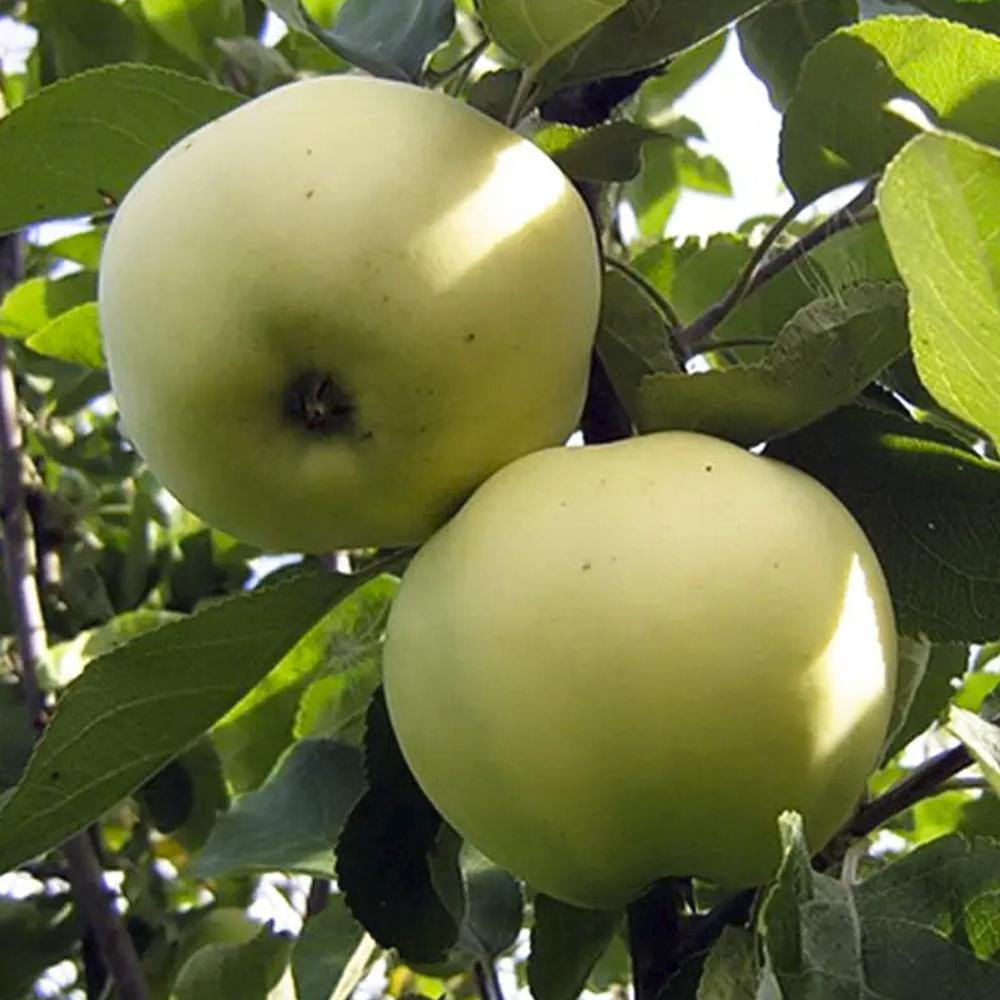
(206, 789)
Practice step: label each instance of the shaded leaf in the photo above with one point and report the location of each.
(930, 508)
(923, 688)
(292, 821)
(377, 36)
(248, 971)
(606, 153)
(323, 951)
(776, 39)
(632, 338)
(566, 941)
(642, 33)
(825, 355)
(405, 890)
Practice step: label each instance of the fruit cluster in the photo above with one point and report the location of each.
(358, 313)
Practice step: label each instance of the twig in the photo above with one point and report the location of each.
(318, 898)
(653, 293)
(487, 980)
(922, 782)
(759, 271)
(85, 873)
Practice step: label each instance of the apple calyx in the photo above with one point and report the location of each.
(318, 404)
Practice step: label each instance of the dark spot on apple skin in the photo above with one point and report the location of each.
(708, 468)
(774, 565)
(55, 775)
(470, 337)
(309, 152)
(422, 429)
(585, 567)
(366, 435)
(309, 194)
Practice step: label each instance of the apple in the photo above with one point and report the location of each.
(622, 662)
(331, 313)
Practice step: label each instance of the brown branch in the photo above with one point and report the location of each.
(93, 898)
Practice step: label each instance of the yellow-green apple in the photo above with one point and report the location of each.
(331, 313)
(624, 661)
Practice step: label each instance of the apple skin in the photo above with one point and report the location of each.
(435, 272)
(621, 662)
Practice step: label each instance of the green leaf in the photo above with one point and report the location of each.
(837, 128)
(534, 33)
(642, 33)
(493, 906)
(654, 192)
(776, 39)
(654, 102)
(929, 922)
(292, 821)
(939, 203)
(730, 971)
(397, 862)
(254, 734)
(81, 248)
(633, 340)
(248, 971)
(78, 146)
(191, 26)
(77, 35)
(606, 153)
(323, 951)
(982, 739)
(377, 36)
(137, 707)
(926, 504)
(72, 336)
(17, 735)
(923, 688)
(33, 304)
(825, 355)
(565, 943)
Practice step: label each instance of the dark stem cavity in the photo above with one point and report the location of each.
(315, 402)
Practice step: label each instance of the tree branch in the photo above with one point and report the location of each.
(86, 876)
(758, 271)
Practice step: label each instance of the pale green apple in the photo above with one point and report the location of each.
(622, 662)
(331, 313)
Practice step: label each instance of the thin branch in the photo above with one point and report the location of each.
(922, 782)
(318, 898)
(85, 873)
(487, 980)
(655, 295)
(760, 271)
(524, 96)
